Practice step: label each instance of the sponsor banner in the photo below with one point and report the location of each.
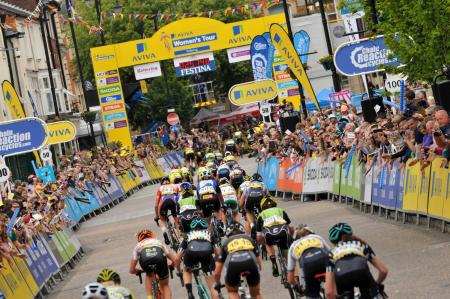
(112, 107)
(368, 187)
(270, 59)
(111, 98)
(114, 116)
(293, 92)
(287, 84)
(194, 64)
(147, 70)
(107, 81)
(60, 132)
(269, 171)
(106, 73)
(318, 176)
(302, 42)
(252, 92)
(190, 36)
(238, 54)
(46, 173)
(107, 90)
(12, 100)
(22, 136)
(283, 76)
(363, 57)
(283, 44)
(259, 52)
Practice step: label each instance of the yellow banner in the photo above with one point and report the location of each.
(253, 92)
(438, 192)
(288, 88)
(286, 49)
(191, 36)
(143, 84)
(110, 95)
(60, 132)
(411, 188)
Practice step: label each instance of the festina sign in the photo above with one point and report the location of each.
(195, 64)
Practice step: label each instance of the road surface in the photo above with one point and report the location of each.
(418, 259)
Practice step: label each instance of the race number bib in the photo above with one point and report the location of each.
(306, 244)
(239, 245)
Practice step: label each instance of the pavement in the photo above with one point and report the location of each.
(418, 258)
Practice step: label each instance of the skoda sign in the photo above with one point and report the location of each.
(363, 57)
(22, 136)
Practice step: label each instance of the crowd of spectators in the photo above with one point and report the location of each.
(32, 206)
(418, 134)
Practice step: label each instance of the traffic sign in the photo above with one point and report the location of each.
(393, 82)
(173, 119)
(253, 92)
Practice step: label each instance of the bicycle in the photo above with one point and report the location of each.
(243, 290)
(228, 214)
(156, 290)
(216, 233)
(201, 289)
(351, 295)
(262, 248)
(173, 237)
(282, 261)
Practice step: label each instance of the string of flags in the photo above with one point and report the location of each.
(76, 18)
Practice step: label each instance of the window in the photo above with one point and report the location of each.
(49, 101)
(66, 102)
(45, 83)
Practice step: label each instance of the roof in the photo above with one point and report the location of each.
(18, 7)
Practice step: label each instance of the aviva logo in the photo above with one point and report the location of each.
(238, 29)
(253, 92)
(238, 38)
(141, 47)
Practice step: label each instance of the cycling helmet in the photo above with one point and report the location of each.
(186, 187)
(199, 223)
(211, 165)
(228, 153)
(336, 231)
(223, 181)
(145, 234)
(165, 180)
(247, 178)
(268, 202)
(108, 275)
(236, 166)
(234, 228)
(257, 177)
(205, 174)
(95, 290)
(298, 230)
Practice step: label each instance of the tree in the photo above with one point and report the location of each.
(154, 105)
(418, 32)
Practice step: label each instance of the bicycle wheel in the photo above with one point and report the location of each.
(155, 290)
(292, 293)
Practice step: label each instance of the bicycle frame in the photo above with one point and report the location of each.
(201, 289)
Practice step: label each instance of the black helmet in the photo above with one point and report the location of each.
(234, 228)
(165, 179)
(257, 177)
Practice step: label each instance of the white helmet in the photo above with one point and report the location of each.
(227, 153)
(205, 173)
(95, 290)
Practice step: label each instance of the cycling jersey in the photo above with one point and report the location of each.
(229, 158)
(271, 217)
(244, 186)
(253, 195)
(302, 245)
(147, 243)
(188, 203)
(207, 189)
(166, 192)
(119, 292)
(174, 175)
(229, 196)
(198, 248)
(352, 248)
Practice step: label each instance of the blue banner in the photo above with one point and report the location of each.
(302, 42)
(402, 95)
(21, 136)
(46, 173)
(259, 53)
(348, 162)
(269, 72)
(363, 57)
(271, 173)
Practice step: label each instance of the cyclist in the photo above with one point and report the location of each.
(239, 255)
(237, 176)
(251, 200)
(219, 157)
(223, 171)
(244, 185)
(166, 200)
(230, 160)
(229, 198)
(111, 280)
(152, 255)
(349, 267)
(209, 195)
(95, 291)
(230, 146)
(186, 174)
(187, 206)
(197, 248)
(189, 157)
(210, 157)
(273, 227)
(312, 252)
(175, 176)
(212, 167)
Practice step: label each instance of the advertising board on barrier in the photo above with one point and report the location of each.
(22, 136)
(318, 176)
(363, 57)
